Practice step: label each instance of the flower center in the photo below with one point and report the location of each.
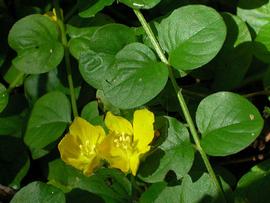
(123, 141)
(87, 149)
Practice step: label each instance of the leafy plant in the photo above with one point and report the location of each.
(134, 101)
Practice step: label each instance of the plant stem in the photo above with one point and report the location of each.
(259, 93)
(67, 57)
(181, 100)
(15, 82)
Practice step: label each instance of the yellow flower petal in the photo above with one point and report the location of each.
(113, 151)
(134, 164)
(78, 147)
(69, 152)
(118, 124)
(86, 133)
(143, 129)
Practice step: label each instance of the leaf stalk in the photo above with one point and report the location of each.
(66, 56)
(181, 100)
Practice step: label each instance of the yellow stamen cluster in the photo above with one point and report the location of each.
(123, 140)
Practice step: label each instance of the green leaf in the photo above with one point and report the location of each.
(262, 43)
(255, 13)
(97, 53)
(48, 120)
(140, 4)
(10, 124)
(38, 192)
(95, 7)
(35, 39)
(203, 190)
(109, 184)
(192, 41)
(228, 123)
(136, 77)
(91, 114)
(174, 154)
(237, 45)
(254, 186)
(14, 161)
(3, 97)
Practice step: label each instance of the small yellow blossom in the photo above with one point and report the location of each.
(126, 142)
(78, 148)
(52, 15)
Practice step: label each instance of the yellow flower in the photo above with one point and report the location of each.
(52, 15)
(126, 143)
(78, 148)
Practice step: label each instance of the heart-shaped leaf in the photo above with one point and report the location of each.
(35, 39)
(228, 123)
(48, 120)
(192, 35)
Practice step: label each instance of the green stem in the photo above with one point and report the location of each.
(15, 82)
(259, 93)
(67, 57)
(181, 100)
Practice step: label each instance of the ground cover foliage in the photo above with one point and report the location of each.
(193, 74)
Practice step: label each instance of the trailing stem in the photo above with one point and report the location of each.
(181, 100)
(67, 57)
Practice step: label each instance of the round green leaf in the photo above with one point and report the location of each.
(3, 97)
(140, 4)
(228, 123)
(174, 154)
(48, 120)
(38, 192)
(254, 186)
(255, 12)
(35, 39)
(135, 78)
(262, 44)
(192, 35)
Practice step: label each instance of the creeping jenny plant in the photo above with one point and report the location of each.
(83, 63)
